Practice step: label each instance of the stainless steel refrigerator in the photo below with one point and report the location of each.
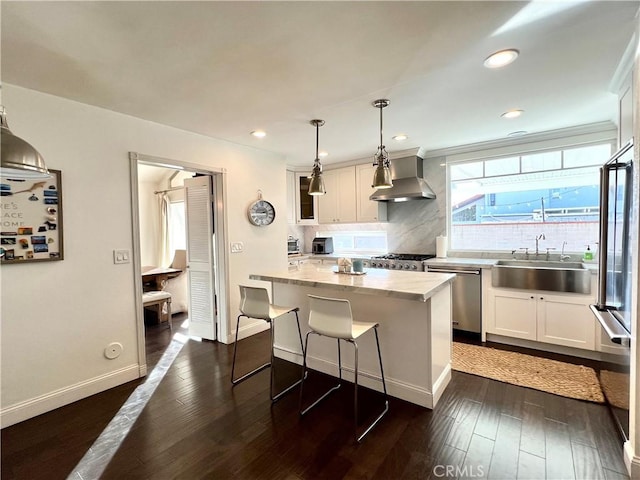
(613, 304)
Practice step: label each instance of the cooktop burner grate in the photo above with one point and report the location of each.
(404, 257)
(400, 261)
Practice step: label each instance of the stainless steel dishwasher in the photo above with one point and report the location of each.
(466, 296)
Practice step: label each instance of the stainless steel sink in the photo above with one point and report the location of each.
(541, 264)
(572, 277)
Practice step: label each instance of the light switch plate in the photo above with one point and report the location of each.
(237, 247)
(121, 256)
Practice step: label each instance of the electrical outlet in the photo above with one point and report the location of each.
(113, 350)
(121, 256)
(237, 247)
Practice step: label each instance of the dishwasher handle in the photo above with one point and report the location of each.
(453, 270)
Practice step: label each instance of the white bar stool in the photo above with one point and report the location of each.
(254, 303)
(158, 299)
(332, 317)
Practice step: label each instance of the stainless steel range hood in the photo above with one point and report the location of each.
(408, 183)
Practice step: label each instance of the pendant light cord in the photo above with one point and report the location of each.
(317, 140)
(381, 145)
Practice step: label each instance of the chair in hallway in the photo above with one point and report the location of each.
(178, 286)
(254, 303)
(158, 299)
(332, 317)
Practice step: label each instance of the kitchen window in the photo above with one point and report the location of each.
(177, 228)
(502, 203)
(357, 242)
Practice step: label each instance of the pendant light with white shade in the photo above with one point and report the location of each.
(382, 174)
(20, 160)
(316, 185)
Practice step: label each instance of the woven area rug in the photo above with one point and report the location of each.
(552, 376)
(616, 388)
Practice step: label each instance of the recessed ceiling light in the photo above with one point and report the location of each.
(323, 154)
(512, 114)
(400, 137)
(501, 58)
(518, 133)
(259, 133)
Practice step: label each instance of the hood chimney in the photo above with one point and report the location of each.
(408, 182)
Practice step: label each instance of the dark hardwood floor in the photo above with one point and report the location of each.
(197, 426)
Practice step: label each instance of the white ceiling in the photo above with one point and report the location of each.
(223, 69)
(154, 175)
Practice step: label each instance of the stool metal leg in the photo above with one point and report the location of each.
(384, 387)
(275, 398)
(235, 381)
(304, 371)
(355, 385)
(339, 361)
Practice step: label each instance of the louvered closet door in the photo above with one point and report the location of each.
(200, 258)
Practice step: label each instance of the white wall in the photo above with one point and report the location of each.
(58, 317)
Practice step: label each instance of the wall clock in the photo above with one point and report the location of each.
(261, 212)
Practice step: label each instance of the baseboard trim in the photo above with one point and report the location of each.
(550, 347)
(441, 383)
(631, 461)
(288, 354)
(247, 330)
(395, 388)
(58, 398)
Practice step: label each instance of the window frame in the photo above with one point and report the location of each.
(498, 152)
(357, 233)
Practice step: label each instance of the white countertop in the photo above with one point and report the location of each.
(487, 263)
(463, 262)
(419, 286)
(447, 261)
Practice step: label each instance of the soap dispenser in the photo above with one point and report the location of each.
(588, 254)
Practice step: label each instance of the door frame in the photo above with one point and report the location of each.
(220, 226)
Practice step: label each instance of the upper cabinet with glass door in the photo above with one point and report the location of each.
(306, 206)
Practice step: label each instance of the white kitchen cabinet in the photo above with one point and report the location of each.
(306, 205)
(560, 319)
(338, 205)
(512, 313)
(566, 320)
(368, 210)
(625, 113)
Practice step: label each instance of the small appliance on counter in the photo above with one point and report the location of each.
(293, 245)
(322, 245)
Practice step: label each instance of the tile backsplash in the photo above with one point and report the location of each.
(412, 226)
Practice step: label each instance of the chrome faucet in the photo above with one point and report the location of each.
(564, 257)
(538, 238)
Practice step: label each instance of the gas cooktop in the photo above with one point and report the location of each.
(400, 261)
(404, 256)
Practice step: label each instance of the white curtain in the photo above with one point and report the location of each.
(165, 248)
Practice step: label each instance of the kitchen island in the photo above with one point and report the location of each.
(414, 313)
